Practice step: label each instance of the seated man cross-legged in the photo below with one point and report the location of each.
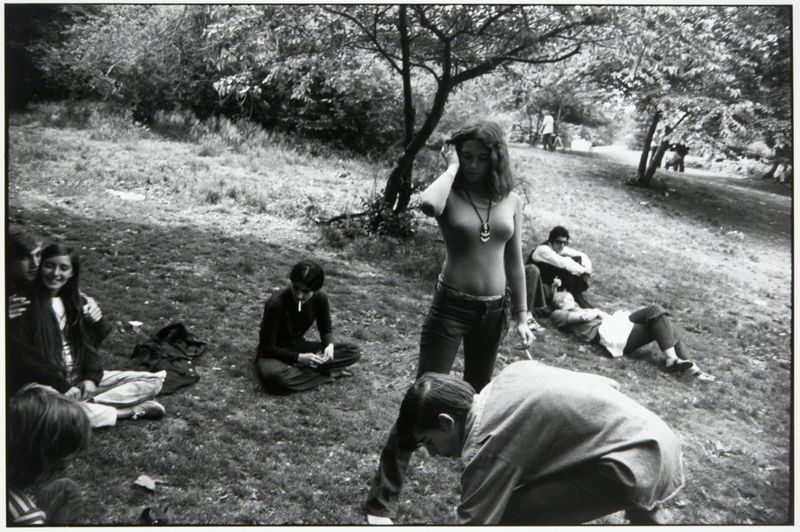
(285, 361)
(545, 446)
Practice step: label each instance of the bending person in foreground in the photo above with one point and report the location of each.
(554, 258)
(481, 222)
(545, 446)
(56, 342)
(624, 332)
(285, 361)
(45, 430)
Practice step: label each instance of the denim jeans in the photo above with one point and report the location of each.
(452, 318)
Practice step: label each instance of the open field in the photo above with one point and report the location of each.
(207, 236)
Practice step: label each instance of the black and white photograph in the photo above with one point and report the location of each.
(406, 264)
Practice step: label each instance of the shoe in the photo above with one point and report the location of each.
(148, 410)
(339, 373)
(378, 520)
(680, 366)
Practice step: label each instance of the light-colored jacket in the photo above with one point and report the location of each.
(533, 420)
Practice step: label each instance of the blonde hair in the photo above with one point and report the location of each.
(560, 297)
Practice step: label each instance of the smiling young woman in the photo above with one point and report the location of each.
(56, 343)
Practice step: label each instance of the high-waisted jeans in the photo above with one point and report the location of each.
(453, 317)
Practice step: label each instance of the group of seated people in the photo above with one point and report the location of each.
(55, 374)
(557, 277)
(624, 458)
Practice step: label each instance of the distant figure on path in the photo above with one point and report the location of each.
(624, 332)
(675, 159)
(44, 431)
(554, 258)
(545, 446)
(285, 361)
(547, 130)
(481, 222)
(56, 343)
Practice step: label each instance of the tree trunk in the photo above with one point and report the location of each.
(404, 193)
(393, 191)
(770, 174)
(648, 141)
(397, 193)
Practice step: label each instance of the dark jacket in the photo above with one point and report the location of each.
(25, 363)
(283, 327)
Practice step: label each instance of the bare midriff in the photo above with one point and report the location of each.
(473, 266)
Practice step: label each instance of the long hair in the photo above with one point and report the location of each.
(44, 430)
(47, 336)
(489, 133)
(431, 395)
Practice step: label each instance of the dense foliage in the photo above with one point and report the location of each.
(379, 79)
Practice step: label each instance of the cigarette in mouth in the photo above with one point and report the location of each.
(299, 306)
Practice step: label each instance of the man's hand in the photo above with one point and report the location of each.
(309, 359)
(327, 354)
(88, 388)
(73, 393)
(17, 305)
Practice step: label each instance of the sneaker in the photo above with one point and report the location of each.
(148, 410)
(679, 366)
(339, 373)
(379, 520)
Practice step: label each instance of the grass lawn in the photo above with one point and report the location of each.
(212, 233)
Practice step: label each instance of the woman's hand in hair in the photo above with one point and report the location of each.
(91, 310)
(450, 155)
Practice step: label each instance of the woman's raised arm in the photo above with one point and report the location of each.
(434, 198)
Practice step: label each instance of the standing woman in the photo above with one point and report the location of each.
(481, 222)
(56, 343)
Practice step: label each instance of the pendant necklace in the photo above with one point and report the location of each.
(486, 229)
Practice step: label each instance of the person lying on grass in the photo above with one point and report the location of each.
(285, 361)
(56, 343)
(624, 332)
(545, 446)
(44, 431)
(24, 254)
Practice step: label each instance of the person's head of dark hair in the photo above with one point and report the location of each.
(21, 241)
(44, 430)
(490, 134)
(432, 394)
(309, 273)
(558, 232)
